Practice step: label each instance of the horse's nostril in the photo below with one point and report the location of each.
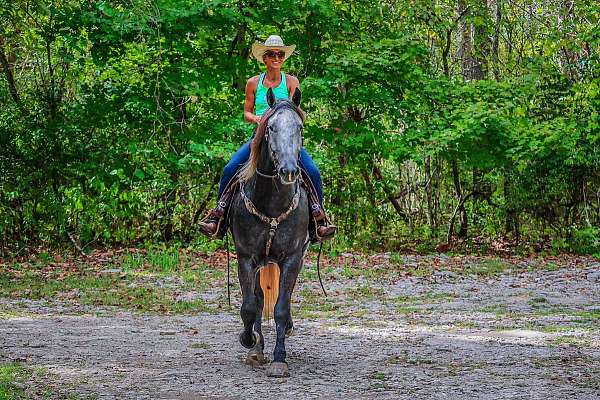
(289, 173)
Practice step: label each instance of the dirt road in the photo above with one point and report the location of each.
(521, 333)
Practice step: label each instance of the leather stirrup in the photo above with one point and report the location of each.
(218, 214)
(317, 213)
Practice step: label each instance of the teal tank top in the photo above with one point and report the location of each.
(260, 100)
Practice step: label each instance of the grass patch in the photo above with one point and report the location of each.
(486, 268)
(379, 376)
(568, 340)
(312, 306)
(409, 309)
(12, 380)
(426, 298)
(165, 261)
(538, 301)
(19, 382)
(366, 292)
(550, 267)
(377, 380)
(155, 282)
(457, 325)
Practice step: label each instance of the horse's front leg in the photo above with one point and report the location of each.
(249, 309)
(256, 355)
(288, 275)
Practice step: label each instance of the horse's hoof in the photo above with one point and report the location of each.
(248, 345)
(278, 370)
(255, 358)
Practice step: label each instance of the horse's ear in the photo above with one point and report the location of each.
(296, 97)
(270, 97)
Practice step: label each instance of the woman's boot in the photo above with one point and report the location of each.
(322, 229)
(214, 224)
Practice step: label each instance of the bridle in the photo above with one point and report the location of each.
(272, 222)
(273, 155)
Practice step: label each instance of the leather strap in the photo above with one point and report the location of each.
(272, 222)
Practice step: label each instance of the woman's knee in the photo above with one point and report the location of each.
(308, 164)
(230, 168)
(238, 159)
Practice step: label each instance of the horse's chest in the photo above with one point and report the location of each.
(255, 236)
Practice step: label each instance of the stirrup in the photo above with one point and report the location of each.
(213, 226)
(319, 220)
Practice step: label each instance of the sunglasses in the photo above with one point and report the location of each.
(273, 54)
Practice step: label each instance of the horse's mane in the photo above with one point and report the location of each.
(249, 168)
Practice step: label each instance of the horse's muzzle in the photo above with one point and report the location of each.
(288, 174)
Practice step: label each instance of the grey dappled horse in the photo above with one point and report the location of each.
(269, 223)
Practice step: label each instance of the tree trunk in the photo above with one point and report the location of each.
(371, 188)
(8, 73)
(431, 220)
(464, 222)
(567, 58)
(496, 39)
(389, 194)
(511, 224)
(464, 45)
(480, 42)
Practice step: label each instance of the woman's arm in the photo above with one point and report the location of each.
(292, 84)
(251, 86)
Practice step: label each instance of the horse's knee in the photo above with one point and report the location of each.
(282, 314)
(249, 307)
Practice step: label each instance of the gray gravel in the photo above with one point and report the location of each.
(526, 335)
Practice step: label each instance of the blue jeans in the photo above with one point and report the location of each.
(241, 156)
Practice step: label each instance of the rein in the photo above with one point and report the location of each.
(272, 222)
(265, 175)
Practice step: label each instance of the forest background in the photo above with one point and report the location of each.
(469, 121)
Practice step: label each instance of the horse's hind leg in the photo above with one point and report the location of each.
(249, 308)
(256, 355)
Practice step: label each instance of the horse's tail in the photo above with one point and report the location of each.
(269, 283)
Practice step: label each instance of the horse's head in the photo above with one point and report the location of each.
(279, 139)
(283, 136)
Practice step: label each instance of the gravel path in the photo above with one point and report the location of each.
(528, 335)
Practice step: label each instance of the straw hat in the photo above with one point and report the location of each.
(272, 42)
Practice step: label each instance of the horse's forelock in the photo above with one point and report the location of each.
(249, 169)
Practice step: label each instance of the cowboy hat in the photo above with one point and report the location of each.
(272, 42)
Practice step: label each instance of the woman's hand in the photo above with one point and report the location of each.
(257, 119)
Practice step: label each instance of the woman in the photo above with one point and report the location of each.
(273, 54)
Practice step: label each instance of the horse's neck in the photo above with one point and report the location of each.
(268, 194)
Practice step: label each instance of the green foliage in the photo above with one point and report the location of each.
(585, 241)
(123, 114)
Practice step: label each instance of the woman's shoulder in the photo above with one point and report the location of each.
(292, 79)
(253, 81)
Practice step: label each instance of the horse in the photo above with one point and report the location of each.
(269, 219)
